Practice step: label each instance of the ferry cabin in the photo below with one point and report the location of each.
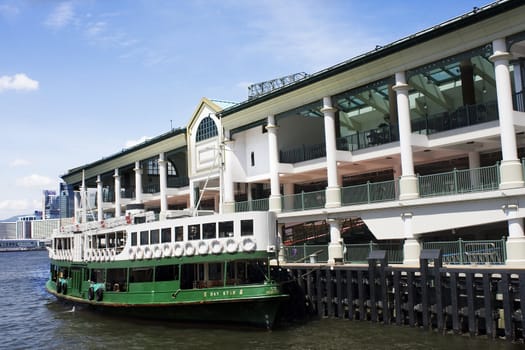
(200, 260)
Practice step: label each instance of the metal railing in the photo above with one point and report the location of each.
(253, 205)
(369, 193)
(368, 138)
(303, 153)
(304, 201)
(461, 117)
(463, 252)
(353, 253)
(459, 181)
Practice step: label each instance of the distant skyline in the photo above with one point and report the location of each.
(82, 80)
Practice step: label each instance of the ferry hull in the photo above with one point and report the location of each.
(261, 312)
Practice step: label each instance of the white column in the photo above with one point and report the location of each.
(288, 189)
(163, 182)
(396, 170)
(510, 169)
(116, 177)
(516, 240)
(100, 200)
(474, 163)
(335, 247)
(408, 186)
(76, 205)
(138, 182)
(280, 234)
(228, 201)
(333, 191)
(273, 158)
(411, 248)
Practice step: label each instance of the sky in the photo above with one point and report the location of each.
(83, 79)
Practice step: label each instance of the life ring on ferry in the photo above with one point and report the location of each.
(140, 253)
(148, 253)
(248, 244)
(131, 253)
(102, 224)
(202, 248)
(231, 245)
(157, 252)
(178, 250)
(166, 250)
(189, 248)
(216, 246)
(91, 293)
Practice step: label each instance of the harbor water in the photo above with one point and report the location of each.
(32, 319)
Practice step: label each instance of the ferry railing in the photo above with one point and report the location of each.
(253, 205)
(459, 181)
(463, 252)
(369, 193)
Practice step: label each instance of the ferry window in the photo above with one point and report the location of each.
(194, 232)
(209, 231)
(154, 238)
(133, 238)
(144, 237)
(121, 239)
(111, 239)
(246, 227)
(116, 280)
(97, 276)
(179, 233)
(167, 273)
(225, 229)
(166, 235)
(215, 271)
(141, 274)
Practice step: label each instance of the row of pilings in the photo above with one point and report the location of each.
(488, 301)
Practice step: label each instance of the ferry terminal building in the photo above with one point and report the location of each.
(419, 140)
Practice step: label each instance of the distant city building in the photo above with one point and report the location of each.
(50, 205)
(66, 201)
(7, 230)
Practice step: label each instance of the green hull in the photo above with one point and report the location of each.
(256, 304)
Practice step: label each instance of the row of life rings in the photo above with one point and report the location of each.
(179, 249)
(100, 255)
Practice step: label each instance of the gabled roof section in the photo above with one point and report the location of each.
(215, 105)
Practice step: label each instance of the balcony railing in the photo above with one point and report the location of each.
(303, 153)
(441, 184)
(519, 104)
(462, 252)
(352, 253)
(368, 138)
(460, 181)
(461, 117)
(256, 204)
(176, 182)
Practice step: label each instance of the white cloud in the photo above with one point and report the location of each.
(8, 10)
(19, 162)
(61, 16)
(34, 180)
(19, 82)
(14, 204)
(131, 143)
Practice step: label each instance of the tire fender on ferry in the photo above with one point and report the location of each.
(131, 253)
(231, 245)
(99, 294)
(189, 248)
(148, 253)
(91, 293)
(140, 253)
(248, 244)
(216, 246)
(202, 247)
(157, 252)
(178, 250)
(166, 250)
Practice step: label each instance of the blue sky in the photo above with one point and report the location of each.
(81, 80)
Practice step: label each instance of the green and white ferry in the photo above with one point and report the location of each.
(211, 268)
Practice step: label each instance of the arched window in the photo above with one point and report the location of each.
(207, 129)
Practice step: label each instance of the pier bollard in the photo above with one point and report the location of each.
(427, 257)
(377, 262)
